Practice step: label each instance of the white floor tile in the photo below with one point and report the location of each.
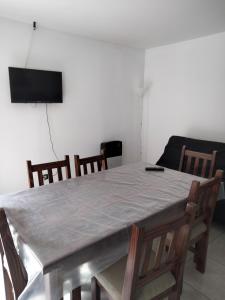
(189, 293)
(216, 250)
(211, 284)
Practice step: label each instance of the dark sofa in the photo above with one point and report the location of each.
(171, 158)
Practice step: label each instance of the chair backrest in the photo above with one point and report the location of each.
(15, 275)
(207, 197)
(49, 167)
(99, 160)
(167, 258)
(197, 163)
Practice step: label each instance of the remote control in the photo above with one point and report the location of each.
(154, 169)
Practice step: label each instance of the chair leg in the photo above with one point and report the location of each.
(182, 283)
(195, 256)
(200, 257)
(95, 289)
(76, 294)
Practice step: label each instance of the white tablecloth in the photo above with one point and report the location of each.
(68, 231)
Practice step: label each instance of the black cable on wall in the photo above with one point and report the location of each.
(34, 28)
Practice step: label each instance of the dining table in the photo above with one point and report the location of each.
(68, 231)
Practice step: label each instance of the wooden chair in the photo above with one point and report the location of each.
(15, 276)
(197, 163)
(206, 202)
(147, 274)
(49, 167)
(100, 160)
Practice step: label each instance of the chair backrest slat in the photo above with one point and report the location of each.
(49, 169)
(40, 177)
(50, 176)
(146, 257)
(92, 167)
(197, 163)
(204, 166)
(100, 160)
(99, 164)
(17, 272)
(188, 165)
(85, 168)
(212, 165)
(59, 171)
(196, 166)
(160, 250)
(171, 246)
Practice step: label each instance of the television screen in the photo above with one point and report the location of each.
(29, 86)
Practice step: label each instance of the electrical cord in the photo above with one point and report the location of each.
(50, 139)
(50, 133)
(29, 49)
(30, 44)
(46, 107)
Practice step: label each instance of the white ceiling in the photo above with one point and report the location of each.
(137, 23)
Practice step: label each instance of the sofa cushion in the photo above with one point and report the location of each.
(219, 214)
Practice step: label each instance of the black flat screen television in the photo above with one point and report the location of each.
(35, 86)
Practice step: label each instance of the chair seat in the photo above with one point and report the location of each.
(198, 229)
(112, 281)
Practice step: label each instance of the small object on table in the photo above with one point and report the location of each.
(160, 169)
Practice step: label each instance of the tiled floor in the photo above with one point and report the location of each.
(211, 285)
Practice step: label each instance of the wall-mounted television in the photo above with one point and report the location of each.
(35, 86)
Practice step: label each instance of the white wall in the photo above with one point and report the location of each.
(100, 84)
(186, 94)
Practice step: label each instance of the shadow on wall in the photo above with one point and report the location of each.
(146, 93)
(204, 134)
